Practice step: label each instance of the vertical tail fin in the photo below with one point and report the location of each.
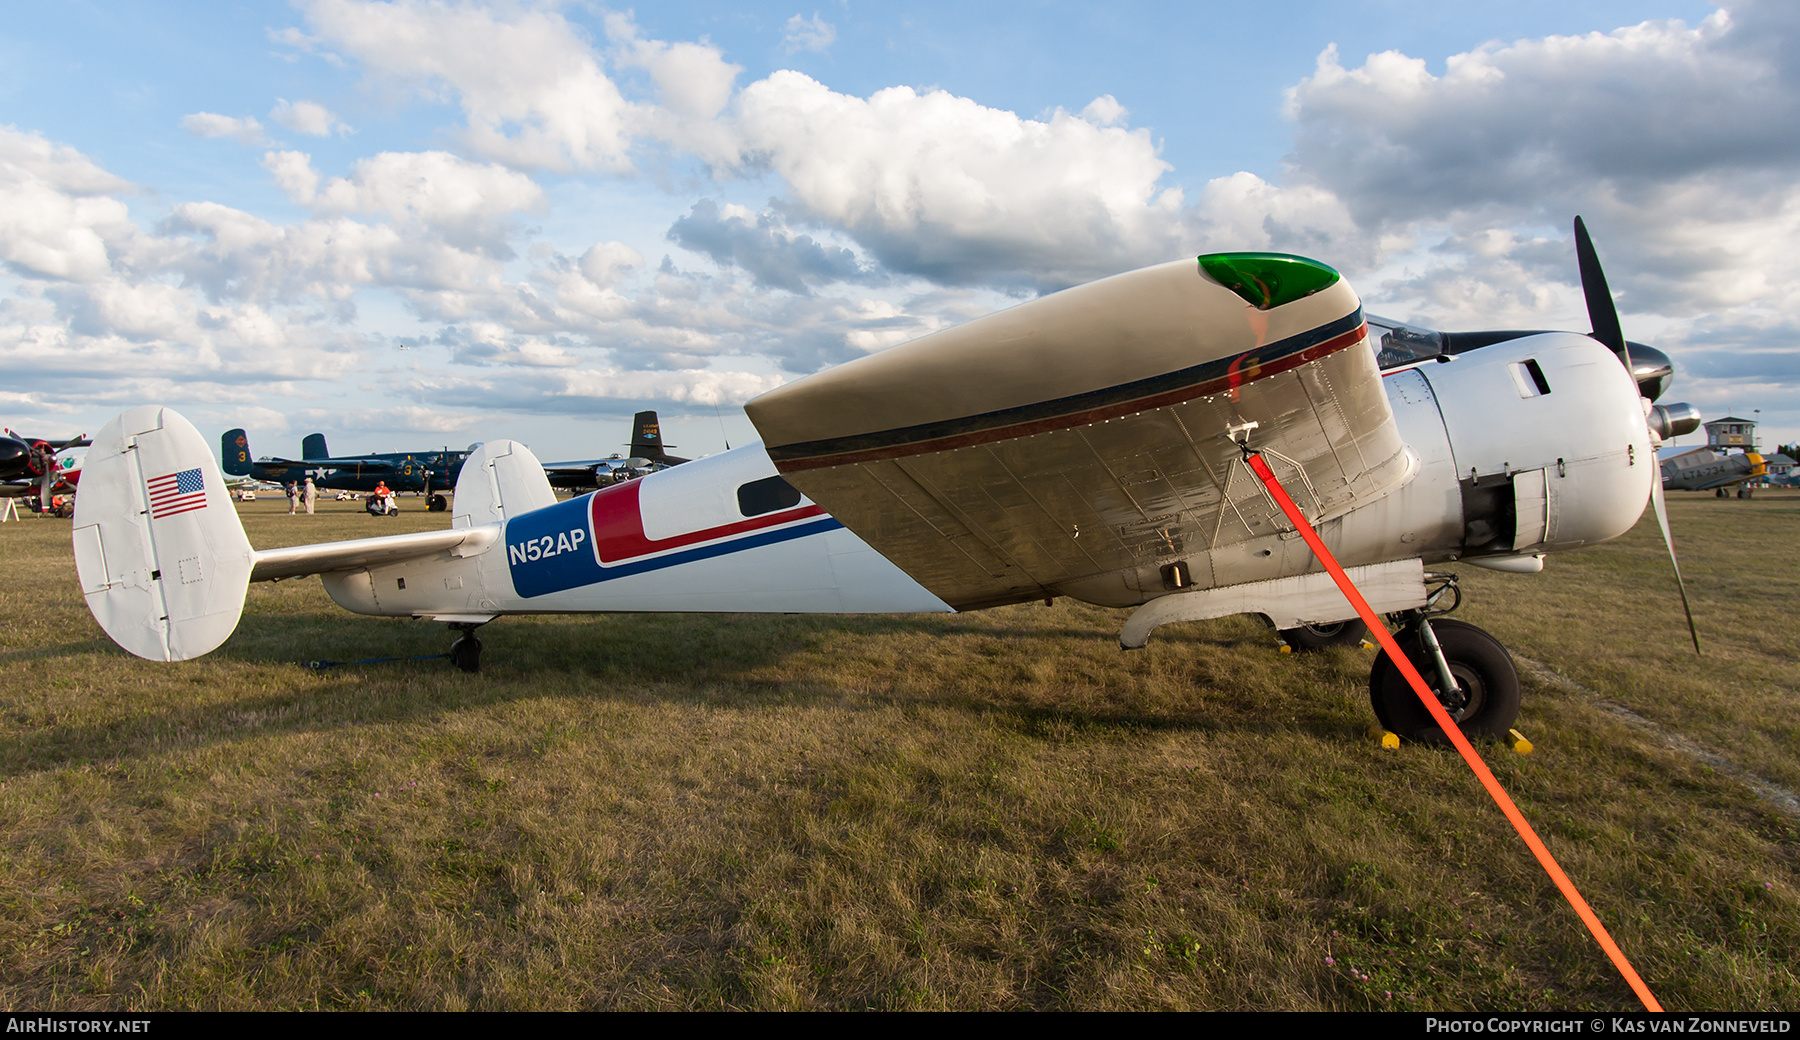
(500, 479)
(234, 453)
(646, 437)
(162, 558)
(313, 447)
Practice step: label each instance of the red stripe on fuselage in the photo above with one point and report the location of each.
(619, 525)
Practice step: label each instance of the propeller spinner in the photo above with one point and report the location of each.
(1663, 420)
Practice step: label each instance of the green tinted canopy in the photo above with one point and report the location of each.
(1267, 280)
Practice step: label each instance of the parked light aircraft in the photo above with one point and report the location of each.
(647, 456)
(427, 472)
(1090, 443)
(1702, 469)
(29, 466)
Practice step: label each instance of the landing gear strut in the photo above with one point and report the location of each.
(465, 653)
(1468, 670)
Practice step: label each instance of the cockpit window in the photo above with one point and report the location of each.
(1396, 343)
(766, 496)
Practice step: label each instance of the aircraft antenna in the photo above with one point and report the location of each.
(721, 417)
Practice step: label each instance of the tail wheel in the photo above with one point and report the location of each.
(1318, 637)
(465, 653)
(1485, 702)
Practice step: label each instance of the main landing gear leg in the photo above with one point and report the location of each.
(1468, 670)
(465, 653)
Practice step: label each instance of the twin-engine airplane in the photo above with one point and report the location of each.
(1090, 443)
(647, 456)
(427, 472)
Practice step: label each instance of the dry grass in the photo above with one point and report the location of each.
(995, 810)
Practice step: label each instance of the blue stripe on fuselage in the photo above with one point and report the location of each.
(552, 549)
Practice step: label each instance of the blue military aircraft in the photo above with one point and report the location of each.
(430, 473)
(647, 456)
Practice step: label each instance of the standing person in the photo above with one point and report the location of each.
(293, 493)
(312, 495)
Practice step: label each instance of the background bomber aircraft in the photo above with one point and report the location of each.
(647, 456)
(427, 472)
(1091, 443)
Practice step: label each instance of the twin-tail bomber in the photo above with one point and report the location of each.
(1088, 444)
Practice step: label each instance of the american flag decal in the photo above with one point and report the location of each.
(181, 492)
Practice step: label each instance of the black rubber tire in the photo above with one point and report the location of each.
(465, 653)
(1484, 673)
(1308, 638)
(438, 504)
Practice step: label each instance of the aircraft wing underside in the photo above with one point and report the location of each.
(1095, 493)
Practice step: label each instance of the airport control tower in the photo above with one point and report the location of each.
(1731, 434)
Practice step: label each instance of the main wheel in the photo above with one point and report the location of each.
(1486, 701)
(1318, 637)
(465, 653)
(438, 504)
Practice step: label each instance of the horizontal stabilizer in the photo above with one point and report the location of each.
(297, 560)
(162, 558)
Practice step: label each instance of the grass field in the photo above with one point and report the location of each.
(991, 810)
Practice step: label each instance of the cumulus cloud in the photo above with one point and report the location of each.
(308, 117)
(1676, 142)
(930, 185)
(587, 390)
(1445, 191)
(468, 203)
(490, 343)
(293, 174)
(808, 34)
(606, 263)
(211, 124)
(533, 91)
(1637, 106)
(58, 216)
(776, 256)
(941, 187)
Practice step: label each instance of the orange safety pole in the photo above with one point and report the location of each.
(1463, 747)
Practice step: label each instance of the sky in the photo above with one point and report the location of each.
(417, 224)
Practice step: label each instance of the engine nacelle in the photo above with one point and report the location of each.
(1543, 439)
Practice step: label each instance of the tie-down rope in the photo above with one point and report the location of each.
(1463, 747)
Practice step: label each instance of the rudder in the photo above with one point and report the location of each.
(234, 453)
(646, 436)
(312, 446)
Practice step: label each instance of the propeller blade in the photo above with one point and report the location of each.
(1662, 520)
(1602, 312)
